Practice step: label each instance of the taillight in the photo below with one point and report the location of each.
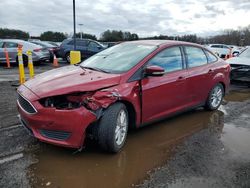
(37, 50)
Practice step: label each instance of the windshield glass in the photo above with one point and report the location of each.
(245, 53)
(119, 58)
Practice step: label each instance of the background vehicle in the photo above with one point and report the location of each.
(87, 48)
(220, 49)
(53, 49)
(39, 53)
(125, 86)
(240, 67)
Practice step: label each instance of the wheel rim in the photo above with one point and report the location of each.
(68, 58)
(216, 97)
(121, 127)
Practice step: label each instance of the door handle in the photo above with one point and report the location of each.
(181, 78)
(210, 71)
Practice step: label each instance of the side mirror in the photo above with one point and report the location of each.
(154, 71)
(235, 54)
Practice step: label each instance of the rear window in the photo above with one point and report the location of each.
(11, 45)
(210, 57)
(195, 56)
(216, 46)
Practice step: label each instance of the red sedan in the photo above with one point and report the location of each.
(122, 87)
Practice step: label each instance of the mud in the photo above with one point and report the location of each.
(194, 149)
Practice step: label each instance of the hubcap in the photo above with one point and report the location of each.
(121, 127)
(68, 58)
(216, 97)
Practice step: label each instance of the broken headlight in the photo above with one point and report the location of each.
(66, 102)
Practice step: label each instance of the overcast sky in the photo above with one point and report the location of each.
(144, 17)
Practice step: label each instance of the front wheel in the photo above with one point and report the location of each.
(215, 97)
(113, 128)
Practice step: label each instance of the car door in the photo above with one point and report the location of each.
(166, 94)
(2, 55)
(93, 48)
(198, 71)
(11, 47)
(81, 45)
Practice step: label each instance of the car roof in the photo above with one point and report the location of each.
(218, 44)
(23, 42)
(162, 42)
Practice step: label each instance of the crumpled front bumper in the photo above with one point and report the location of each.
(60, 127)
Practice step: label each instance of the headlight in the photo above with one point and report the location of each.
(66, 102)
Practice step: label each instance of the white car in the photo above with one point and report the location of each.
(39, 54)
(221, 50)
(240, 67)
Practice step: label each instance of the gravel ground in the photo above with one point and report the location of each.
(8, 111)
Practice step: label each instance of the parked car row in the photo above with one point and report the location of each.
(223, 50)
(45, 50)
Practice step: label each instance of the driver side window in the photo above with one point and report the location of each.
(169, 59)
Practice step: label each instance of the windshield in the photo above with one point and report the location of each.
(245, 53)
(119, 58)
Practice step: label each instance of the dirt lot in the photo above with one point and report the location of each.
(195, 149)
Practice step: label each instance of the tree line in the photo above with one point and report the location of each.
(239, 36)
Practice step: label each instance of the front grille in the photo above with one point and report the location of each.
(25, 105)
(55, 135)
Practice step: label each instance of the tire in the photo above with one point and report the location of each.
(215, 97)
(67, 57)
(113, 128)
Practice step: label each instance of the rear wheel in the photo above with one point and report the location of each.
(215, 97)
(113, 128)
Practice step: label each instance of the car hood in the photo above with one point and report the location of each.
(70, 79)
(239, 61)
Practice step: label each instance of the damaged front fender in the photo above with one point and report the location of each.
(102, 99)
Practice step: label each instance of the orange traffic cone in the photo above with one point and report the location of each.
(7, 58)
(55, 61)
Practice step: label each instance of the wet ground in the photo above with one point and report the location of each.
(194, 149)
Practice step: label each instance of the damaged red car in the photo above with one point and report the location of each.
(122, 87)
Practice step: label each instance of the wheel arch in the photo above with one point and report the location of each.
(131, 113)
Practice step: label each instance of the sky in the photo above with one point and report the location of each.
(144, 17)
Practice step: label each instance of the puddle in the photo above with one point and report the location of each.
(146, 149)
(239, 95)
(237, 140)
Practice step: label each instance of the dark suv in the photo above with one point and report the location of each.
(87, 48)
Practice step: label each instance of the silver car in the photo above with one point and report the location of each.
(39, 54)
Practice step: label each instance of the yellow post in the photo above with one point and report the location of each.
(21, 67)
(75, 57)
(30, 64)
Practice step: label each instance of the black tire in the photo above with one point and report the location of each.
(213, 102)
(109, 124)
(67, 57)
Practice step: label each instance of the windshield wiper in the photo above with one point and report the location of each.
(94, 68)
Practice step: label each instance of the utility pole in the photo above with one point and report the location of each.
(74, 20)
(81, 29)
